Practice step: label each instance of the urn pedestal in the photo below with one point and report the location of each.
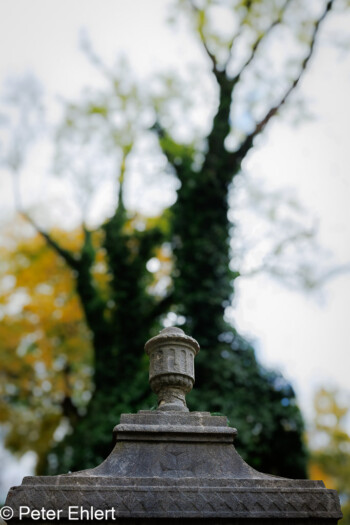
(173, 466)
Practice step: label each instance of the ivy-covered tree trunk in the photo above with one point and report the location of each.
(228, 378)
(119, 326)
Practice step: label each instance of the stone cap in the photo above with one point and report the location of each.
(176, 426)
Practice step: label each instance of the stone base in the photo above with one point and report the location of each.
(188, 498)
(177, 467)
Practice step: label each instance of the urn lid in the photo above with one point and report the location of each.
(173, 334)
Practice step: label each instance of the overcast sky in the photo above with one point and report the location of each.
(306, 337)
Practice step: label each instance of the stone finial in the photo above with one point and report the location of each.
(171, 371)
(172, 467)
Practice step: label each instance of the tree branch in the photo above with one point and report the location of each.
(239, 32)
(209, 53)
(334, 272)
(298, 276)
(62, 252)
(125, 152)
(268, 264)
(179, 156)
(258, 41)
(247, 143)
(217, 158)
(92, 303)
(200, 29)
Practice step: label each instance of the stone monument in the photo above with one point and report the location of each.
(173, 466)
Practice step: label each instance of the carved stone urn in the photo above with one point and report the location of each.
(173, 466)
(171, 369)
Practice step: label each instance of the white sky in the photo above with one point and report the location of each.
(307, 339)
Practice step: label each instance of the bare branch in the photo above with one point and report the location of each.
(300, 276)
(258, 41)
(332, 273)
(239, 32)
(62, 252)
(268, 265)
(290, 240)
(210, 55)
(95, 59)
(247, 143)
(200, 30)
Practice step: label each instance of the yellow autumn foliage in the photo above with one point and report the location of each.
(45, 346)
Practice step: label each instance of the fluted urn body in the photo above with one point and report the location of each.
(171, 371)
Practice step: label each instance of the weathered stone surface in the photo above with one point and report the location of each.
(171, 426)
(171, 371)
(178, 466)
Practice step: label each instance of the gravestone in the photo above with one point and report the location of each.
(173, 466)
